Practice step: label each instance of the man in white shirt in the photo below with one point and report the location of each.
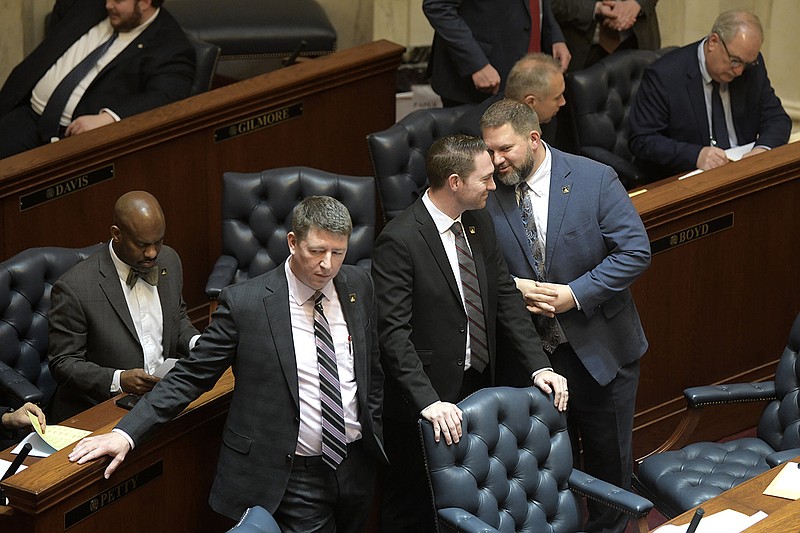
(146, 61)
(116, 316)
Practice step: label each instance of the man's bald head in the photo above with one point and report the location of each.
(138, 229)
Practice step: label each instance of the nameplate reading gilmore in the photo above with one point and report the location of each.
(111, 495)
(65, 187)
(258, 122)
(687, 235)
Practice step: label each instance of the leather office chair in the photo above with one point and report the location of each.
(398, 155)
(512, 469)
(681, 479)
(256, 520)
(25, 283)
(257, 216)
(597, 108)
(206, 66)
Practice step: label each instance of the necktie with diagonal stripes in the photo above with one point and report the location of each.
(334, 442)
(479, 351)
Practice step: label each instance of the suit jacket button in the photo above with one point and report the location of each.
(461, 328)
(460, 362)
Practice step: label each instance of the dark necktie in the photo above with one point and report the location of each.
(479, 351)
(546, 327)
(719, 127)
(535, 44)
(334, 442)
(149, 275)
(51, 116)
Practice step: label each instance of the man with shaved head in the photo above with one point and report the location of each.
(116, 316)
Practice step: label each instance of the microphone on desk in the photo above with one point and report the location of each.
(23, 453)
(292, 59)
(698, 514)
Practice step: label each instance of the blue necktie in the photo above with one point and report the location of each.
(50, 120)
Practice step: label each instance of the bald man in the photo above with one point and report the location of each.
(116, 316)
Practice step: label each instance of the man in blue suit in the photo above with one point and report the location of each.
(575, 244)
(672, 119)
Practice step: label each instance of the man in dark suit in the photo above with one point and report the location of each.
(439, 319)
(673, 122)
(477, 42)
(12, 423)
(274, 445)
(575, 244)
(116, 316)
(149, 63)
(594, 29)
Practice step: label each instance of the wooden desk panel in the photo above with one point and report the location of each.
(183, 455)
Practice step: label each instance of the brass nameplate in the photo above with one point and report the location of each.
(65, 187)
(264, 120)
(704, 229)
(111, 495)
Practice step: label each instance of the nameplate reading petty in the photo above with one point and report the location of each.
(687, 235)
(264, 120)
(65, 187)
(111, 495)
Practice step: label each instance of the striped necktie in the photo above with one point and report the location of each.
(479, 351)
(334, 442)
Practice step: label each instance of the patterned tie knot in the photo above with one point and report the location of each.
(150, 275)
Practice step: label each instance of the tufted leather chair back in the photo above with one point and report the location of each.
(779, 425)
(257, 216)
(398, 154)
(512, 465)
(25, 283)
(598, 103)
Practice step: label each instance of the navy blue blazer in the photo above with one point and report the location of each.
(597, 244)
(157, 68)
(668, 118)
(471, 33)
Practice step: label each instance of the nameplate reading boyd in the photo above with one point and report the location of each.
(99, 501)
(691, 234)
(264, 120)
(65, 187)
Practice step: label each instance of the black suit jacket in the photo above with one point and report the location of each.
(421, 318)
(92, 334)
(669, 121)
(251, 330)
(471, 33)
(155, 69)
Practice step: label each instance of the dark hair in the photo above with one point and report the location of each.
(454, 154)
(522, 118)
(321, 212)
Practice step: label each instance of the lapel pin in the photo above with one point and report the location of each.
(565, 189)
(163, 271)
(471, 230)
(352, 297)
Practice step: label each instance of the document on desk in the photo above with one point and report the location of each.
(5, 464)
(729, 521)
(56, 438)
(736, 153)
(787, 483)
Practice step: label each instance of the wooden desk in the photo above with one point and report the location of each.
(163, 485)
(748, 498)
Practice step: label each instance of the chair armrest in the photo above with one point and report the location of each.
(730, 393)
(221, 275)
(609, 495)
(783, 456)
(19, 389)
(462, 521)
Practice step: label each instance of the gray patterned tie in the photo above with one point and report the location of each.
(546, 327)
(479, 351)
(334, 442)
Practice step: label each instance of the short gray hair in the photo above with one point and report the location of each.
(531, 75)
(321, 212)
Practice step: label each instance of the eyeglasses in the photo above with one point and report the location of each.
(737, 62)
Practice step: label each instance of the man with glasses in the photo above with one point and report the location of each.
(701, 99)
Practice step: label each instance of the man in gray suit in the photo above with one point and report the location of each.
(116, 316)
(276, 451)
(575, 243)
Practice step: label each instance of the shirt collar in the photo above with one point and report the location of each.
(122, 267)
(701, 58)
(301, 292)
(442, 221)
(539, 180)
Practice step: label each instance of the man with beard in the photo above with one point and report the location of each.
(102, 60)
(575, 244)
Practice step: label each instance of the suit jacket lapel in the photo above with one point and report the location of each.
(430, 234)
(279, 323)
(349, 300)
(507, 199)
(560, 187)
(110, 285)
(696, 93)
(165, 289)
